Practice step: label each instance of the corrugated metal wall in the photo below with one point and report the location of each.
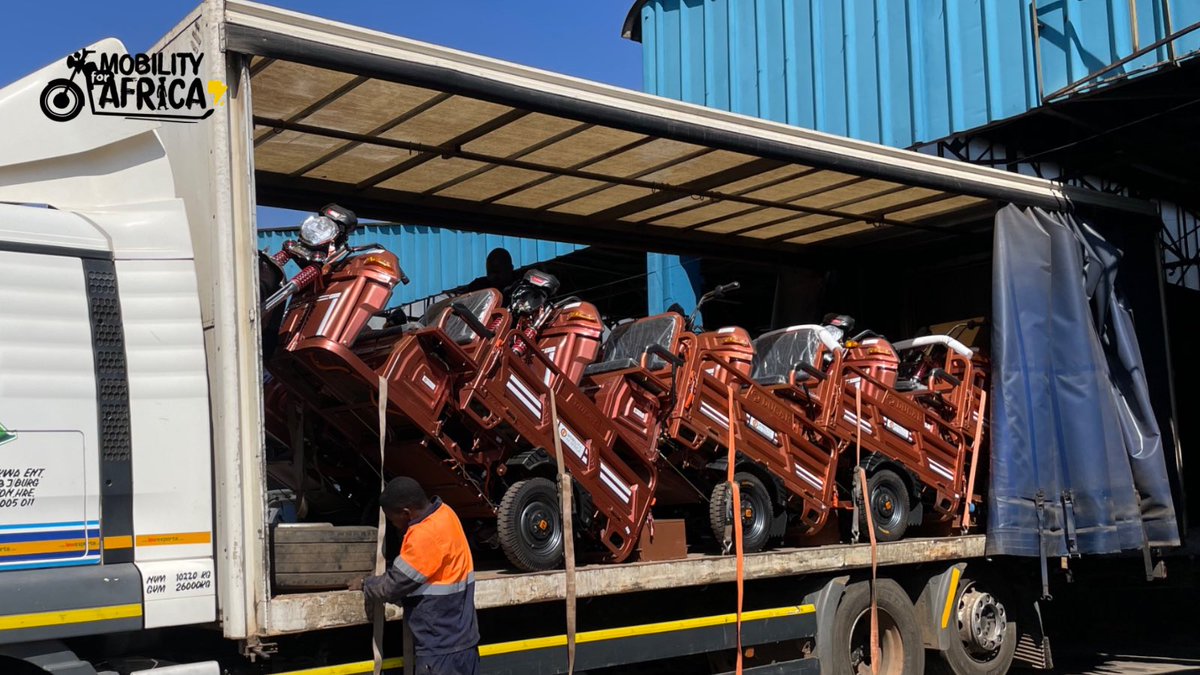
(435, 259)
(897, 72)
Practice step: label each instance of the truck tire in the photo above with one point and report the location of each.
(756, 509)
(987, 631)
(529, 525)
(902, 651)
(889, 505)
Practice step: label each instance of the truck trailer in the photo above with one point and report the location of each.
(134, 518)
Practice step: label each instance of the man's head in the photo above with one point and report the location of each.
(403, 499)
(500, 267)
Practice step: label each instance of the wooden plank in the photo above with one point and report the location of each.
(324, 534)
(361, 565)
(307, 580)
(297, 552)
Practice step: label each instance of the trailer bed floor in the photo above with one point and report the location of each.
(331, 609)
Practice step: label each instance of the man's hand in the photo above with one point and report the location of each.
(357, 584)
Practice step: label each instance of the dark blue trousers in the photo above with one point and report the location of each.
(465, 662)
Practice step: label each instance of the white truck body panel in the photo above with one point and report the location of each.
(49, 455)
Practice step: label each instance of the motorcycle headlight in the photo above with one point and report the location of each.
(317, 230)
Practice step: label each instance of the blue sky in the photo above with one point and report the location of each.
(576, 37)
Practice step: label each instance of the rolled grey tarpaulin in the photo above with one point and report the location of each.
(1077, 463)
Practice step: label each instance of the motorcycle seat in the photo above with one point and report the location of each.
(628, 343)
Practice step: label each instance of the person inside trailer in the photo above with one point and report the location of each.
(433, 579)
(500, 274)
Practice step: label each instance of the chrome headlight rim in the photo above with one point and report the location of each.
(317, 230)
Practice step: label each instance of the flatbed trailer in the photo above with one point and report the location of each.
(299, 612)
(151, 248)
(817, 576)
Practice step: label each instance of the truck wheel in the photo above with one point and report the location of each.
(901, 650)
(987, 635)
(889, 505)
(529, 524)
(756, 511)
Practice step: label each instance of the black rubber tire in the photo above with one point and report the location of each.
(528, 504)
(890, 501)
(757, 529)
(901, 647)
(959, 661)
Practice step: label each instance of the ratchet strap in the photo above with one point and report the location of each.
(866, 498)
(975, 445)
(377, 614)
(736, 500)
(296, 432)
(565, 495)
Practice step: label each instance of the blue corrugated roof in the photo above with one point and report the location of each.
(435, 259)
(898, 72)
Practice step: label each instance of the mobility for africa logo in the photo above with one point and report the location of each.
(166, 87)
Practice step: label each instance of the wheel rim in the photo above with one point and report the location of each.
(539, 527)
(754, 511)
(62, 101)
(885, 507)
(982, 624)
(891, 645)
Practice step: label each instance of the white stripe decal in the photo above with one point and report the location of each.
(808, 476)
(549, 352)
(333, 299)
(533, 405)
(713, 414)
(613, 481)
(853, 419)
(941, 470)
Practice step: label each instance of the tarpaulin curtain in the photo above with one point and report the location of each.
(1077, 461)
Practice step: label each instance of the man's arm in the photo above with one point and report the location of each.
(397, 583)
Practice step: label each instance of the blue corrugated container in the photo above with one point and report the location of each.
(435, 259)
(898, 72)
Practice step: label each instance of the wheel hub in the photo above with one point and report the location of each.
(885, 505)
(982, 621)
(538, 525)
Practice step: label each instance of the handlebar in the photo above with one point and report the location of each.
(865, 333)
(302, 280)
(473, 322)
(663, 353)
(939, 374)
(726, 288)
(811, 370)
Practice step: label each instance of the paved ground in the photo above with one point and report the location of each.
(1120, 624)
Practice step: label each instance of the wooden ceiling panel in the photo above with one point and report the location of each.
(446, 120)
(369, 106)
(287, 151)
(431, 174)
(284, 89)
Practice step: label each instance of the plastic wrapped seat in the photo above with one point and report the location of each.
(480, 303)
(627, 343)
(779, 352)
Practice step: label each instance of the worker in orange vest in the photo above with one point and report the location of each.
(433, 579)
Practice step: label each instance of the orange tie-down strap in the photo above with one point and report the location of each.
(866, 500)
(736, 496)
(377, 617)
(976, 443)
(565, 495)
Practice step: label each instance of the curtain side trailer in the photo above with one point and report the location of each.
(131, 380)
